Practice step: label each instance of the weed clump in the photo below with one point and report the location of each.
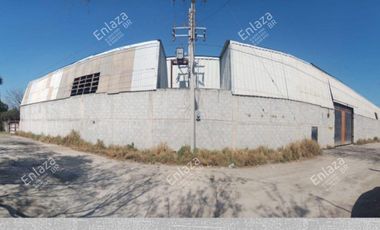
(367, 141)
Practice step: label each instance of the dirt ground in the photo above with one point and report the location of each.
(67, 183)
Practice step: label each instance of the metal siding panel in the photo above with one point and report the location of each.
(25, 98)
(211, 70)
(211, 73)
(278, 71)
(162, 70)
(55, 84)
(39, 90)
(225, 70)
(261, 72)
(106, 73)
(269, 80)
(277, 75)
(241, 77)
(145, 69)
(64, 89)
(122, 66)
(168, 67)
(344, 95)
(178, 79)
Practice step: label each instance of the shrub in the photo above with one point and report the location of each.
(73, 139)
(184, 154)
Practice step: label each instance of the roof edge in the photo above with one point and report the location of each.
(100, 54)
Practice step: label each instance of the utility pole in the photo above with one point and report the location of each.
(1, 82)
(193, 33)
(192, 80)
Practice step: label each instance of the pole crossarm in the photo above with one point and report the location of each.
(200, 32)
(192, 33)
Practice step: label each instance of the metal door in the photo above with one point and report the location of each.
(338, 127)
(343, 124)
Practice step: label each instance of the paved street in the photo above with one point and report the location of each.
(40, 180)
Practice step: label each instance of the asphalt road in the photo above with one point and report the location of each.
(40, 180)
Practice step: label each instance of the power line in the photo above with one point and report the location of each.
(215, 12)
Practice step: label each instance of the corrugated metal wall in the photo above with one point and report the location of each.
(208, 77)
(242, 68)
(130, 68)
(162, 80)
(43, 89)
(262, 72)
(225, 70)
(344, 95)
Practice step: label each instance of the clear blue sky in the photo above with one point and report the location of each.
(342, 37)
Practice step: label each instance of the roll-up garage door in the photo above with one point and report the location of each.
(343, 124)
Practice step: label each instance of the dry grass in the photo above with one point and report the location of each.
(367, 141)
(163, 154)
(2, 133)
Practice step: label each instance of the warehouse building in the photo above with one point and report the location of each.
(281, 76)
(247, 97)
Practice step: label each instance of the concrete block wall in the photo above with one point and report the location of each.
(365, 127)
(144, 118)
(153, 117)
(247, 122)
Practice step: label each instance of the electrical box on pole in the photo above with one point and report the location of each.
(192, 33)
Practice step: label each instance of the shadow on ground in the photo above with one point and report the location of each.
(84, 188)
(91, 186)
(360, 152)
(368, 204)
